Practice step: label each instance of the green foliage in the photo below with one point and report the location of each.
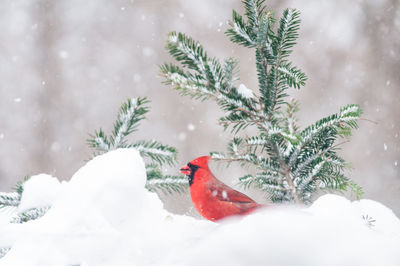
(11, 200)
(129, 116)
(8, 200)
(156, 151)
(369, 221)
(3, 251)
(291, 164)
(30, 214)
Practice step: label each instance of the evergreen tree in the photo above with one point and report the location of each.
(291, 164)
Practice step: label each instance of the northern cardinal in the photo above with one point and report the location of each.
(213, 199)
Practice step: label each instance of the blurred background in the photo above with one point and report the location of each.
(67, 65)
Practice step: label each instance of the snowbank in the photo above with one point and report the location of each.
(105, 216)
(331, 232)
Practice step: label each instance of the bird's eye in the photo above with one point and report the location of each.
(192, 166)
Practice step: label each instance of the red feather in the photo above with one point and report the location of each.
(213, 199)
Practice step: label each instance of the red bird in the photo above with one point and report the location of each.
(213, 199)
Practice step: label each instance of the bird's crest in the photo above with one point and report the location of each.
(201, 161)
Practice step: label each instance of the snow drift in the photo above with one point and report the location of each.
(105, 216)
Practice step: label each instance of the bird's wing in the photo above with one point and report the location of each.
(225, 193)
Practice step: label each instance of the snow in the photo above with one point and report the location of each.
(63, 54)
(296, 237)
(147, 51)
(182, 136)
(191, 127)
(55, 146)
(105, 216)
(173, 38)
(137, 78)
(245, 92)
(39, 191)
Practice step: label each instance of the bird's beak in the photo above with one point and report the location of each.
(185, 170)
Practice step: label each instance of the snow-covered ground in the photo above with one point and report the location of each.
(105, 216)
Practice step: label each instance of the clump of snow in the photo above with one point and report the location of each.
(105, 216)
(39, 191)
(147, 51)
(245, 92)
(173, 38)
(191, 127)
(63, 54)
(182, 136)
(137, 77)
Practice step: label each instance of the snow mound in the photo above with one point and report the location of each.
(102, 216)
(105, 216)
(330, 232)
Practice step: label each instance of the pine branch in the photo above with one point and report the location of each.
(347, 117)
(187, 51)
(195, 86)
(127, 121)
(369, 221)
(167, 184)
(239, 32)
(11, 199)
(99, 141)
(129, 115)
(31, 214)
(267, 181)
(186, 83)
(156, 151)
(4, 251)
(287, 33)
(294, 76)
(274, 90)
(355, 188)
(231, 69)
(208, 81)
(254, 9)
